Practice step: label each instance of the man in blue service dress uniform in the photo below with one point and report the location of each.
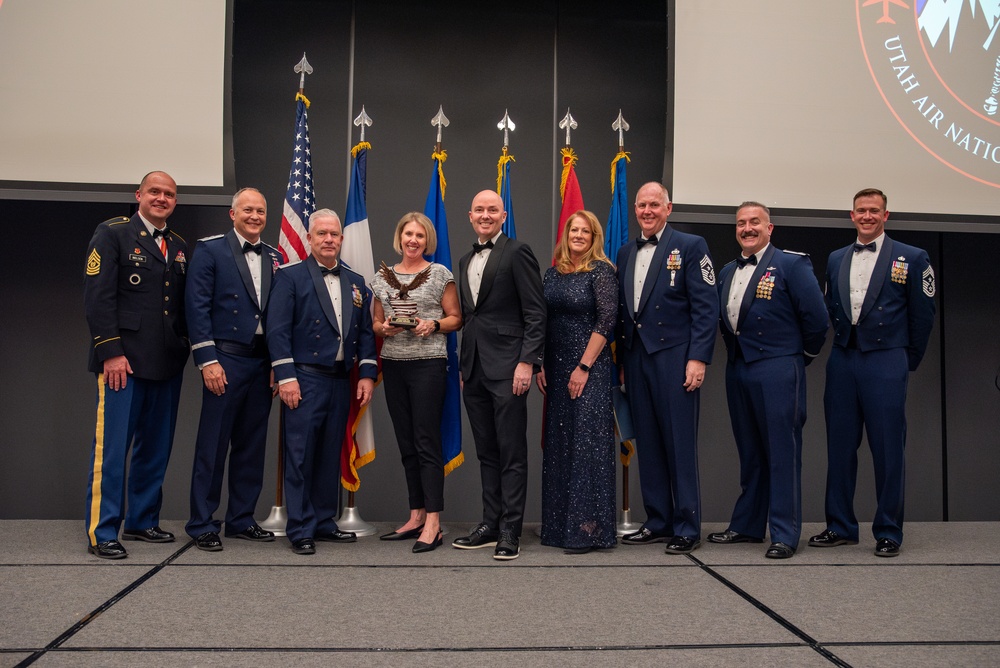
(880, 295)
(774, 322)
(668, 310)
(134, 301)
(319, 323)
(227, 289)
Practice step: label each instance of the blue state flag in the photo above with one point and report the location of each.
(451, 417)
(616, 232)
(503, 189)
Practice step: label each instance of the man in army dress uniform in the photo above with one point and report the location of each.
(134, 302)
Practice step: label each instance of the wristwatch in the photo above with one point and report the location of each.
(584, 367)
(437, 325)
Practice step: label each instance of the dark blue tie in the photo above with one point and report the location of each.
(863, 247)
(247, 247)
(328, 272)
(744, 261)
(652, 241)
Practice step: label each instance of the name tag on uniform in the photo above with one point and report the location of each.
(132, 257)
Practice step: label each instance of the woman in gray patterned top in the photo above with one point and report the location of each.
(416, 305)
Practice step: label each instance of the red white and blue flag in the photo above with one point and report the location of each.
(300, 201)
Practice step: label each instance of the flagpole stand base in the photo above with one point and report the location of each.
(350, 520)
(276, 521)
(627, 525)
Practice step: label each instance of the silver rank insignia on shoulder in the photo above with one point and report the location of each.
(927, 278)
(707, 271)
(214, 236)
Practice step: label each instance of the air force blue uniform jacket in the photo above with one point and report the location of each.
(303, 336)
(866, 379)
(675, 322)
(781, 327)
(223, 314)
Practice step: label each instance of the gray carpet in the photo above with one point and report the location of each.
(374, 603)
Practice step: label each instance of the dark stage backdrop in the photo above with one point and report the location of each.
(534, 59)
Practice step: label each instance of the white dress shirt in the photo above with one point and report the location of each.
(862, 266)
(738, 288)
(643, 258)
(477, 263)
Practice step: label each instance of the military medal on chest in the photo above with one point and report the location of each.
(899, 270)
(674, 264)
(765, 287)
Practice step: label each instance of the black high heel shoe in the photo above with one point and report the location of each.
(419, 546)
(402, 535)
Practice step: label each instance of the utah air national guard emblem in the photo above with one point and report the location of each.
(937, 66)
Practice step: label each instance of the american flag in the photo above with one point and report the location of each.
(300, 200)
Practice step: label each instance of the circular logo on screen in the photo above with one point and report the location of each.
(937, 66)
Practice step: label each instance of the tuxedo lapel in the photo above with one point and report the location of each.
(878, 277)
(241, 264)
(346, 304)
(463, 275)
(656, 267)
(751, 291)
(267, 274)
(490, 270)
(322, 293)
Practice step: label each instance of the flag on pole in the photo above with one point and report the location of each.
(359, 439)
(616, 233)
(616, 236)
(569, 189)
(300, 200)
(451, 417)
(503, 189)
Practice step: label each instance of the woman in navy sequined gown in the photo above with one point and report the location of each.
(578, 466)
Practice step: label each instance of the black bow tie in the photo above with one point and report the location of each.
(161, 233)
(652, 241)
(331, 272)
(862, 247)
(247, 247)
(478, 247)
(744, 261)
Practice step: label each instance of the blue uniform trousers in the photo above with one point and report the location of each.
(314, 434)
(238, 419)
(665, 417)
(142, 415)
(767, 407)
(866, 390)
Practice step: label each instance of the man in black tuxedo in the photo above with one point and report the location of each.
(502, 340)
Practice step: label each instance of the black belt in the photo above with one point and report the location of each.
(256, 349)
(338, 370)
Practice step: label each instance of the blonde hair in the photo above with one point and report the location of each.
(423, 221)
(564, 264)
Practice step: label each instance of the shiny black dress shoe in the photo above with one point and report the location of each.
(886, 547)
(150, 535)
(481, 536)
(508, 546)
(729, 536)
(830, 538)
(682, 545)
(208, 541)
(338, 536)
(304, 546)
(402, 535)
(780, 551)
(644, 537)
(254, 533)
(420, 547)
(109, 549)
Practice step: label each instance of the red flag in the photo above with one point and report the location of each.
(569, 189)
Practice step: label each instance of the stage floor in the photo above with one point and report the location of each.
(374, 603)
